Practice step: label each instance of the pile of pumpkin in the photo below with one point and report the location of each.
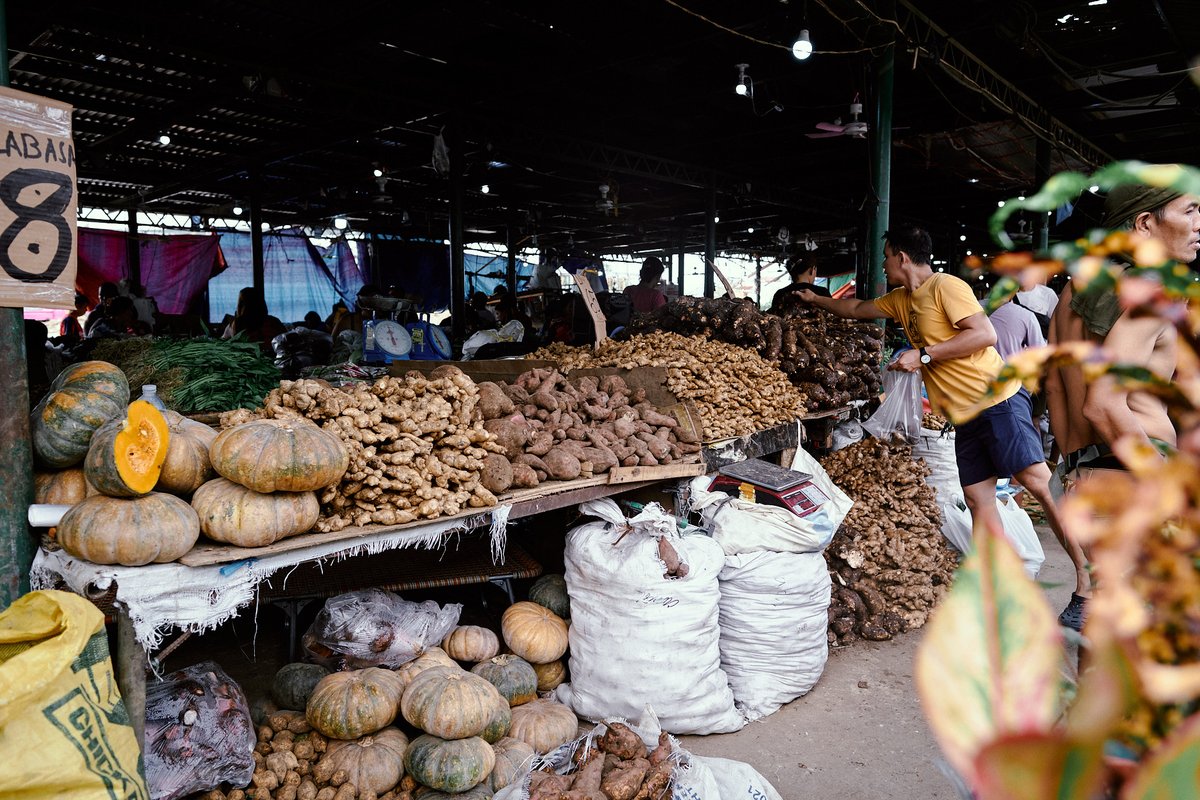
(126, 468)
(475, 732)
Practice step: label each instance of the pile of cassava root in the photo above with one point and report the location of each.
(418, 445)
(616, 766)
(889, 561)
(735, 391)
(554, 429)
(831, 360)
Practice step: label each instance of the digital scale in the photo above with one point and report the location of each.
(758, 481)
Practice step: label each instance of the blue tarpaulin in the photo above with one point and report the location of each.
(295, 277)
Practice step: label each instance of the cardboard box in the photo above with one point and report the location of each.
(38, 202)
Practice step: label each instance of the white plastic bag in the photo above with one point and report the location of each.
(740, 526)
(774, 613)
(937, 450)
(899, 416)
(374, 628)
(845, 434)
(638, 637)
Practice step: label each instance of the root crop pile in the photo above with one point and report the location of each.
(417, 445)
(616, 766)
(736, 391)
(889, 561)
(555, 429)
(831, 360)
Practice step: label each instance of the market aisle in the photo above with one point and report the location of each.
(860, 733)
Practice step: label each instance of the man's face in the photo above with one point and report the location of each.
(1179, 230)
(892, 261)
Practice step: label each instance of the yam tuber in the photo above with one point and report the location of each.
(624, 782)
(622, 742)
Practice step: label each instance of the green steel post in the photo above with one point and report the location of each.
(881, 172)
(1041, 174)
(17, 545)
(710, 241)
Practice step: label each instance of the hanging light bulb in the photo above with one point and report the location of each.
(164, 139)
(802, 48)
(750, 229)
(237, 211)
(717, 218)
(378, 173)
(485, 188)
(341, 223)
(742, 88)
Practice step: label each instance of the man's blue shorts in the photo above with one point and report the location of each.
(998, 443)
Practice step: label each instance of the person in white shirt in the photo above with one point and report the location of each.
(1041, 299)
(1016, 329)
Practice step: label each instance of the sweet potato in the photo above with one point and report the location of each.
(493, 402)
(511, 432)
(622, 742)
(539, 444)
(623, 783)
(497, 473)
(602, 458)
(562, 465)
(676, 568)
(523, 476)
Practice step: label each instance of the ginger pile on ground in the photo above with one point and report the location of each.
(831, 360)
(735, 391)
(889, 561)
(418, 445)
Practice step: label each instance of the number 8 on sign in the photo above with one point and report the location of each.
(24, 254)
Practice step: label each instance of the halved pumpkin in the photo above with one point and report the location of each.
(127, 453)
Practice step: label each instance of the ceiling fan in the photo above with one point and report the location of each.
(855, 128)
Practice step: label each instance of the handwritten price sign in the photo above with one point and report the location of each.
(38, 202)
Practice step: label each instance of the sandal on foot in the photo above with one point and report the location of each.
(1075, 614)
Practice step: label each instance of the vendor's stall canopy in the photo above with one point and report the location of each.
(602, 127)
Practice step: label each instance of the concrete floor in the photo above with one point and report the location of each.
(858, 734)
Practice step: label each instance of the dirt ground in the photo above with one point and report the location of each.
(858, 734)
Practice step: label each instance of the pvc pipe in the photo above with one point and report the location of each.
(46, 515)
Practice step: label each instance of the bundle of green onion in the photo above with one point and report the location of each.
(194, 375)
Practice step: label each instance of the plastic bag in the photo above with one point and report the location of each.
(64, 730)
(845, 434)
(639, 637)
(198, 732)
(374, 628)
(899, 416)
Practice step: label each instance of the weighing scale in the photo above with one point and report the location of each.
(758, 481)
(429, 342)
(385, 341)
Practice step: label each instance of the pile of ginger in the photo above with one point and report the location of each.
(889, 561)
(418, 445)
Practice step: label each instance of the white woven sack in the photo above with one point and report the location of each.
(638, 638)
(774, 614)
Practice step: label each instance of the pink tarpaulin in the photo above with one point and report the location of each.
(175, 270)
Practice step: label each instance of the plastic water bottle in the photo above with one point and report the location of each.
(150, 395)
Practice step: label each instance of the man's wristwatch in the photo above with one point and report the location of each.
(925, 357)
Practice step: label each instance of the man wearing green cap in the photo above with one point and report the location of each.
(1087, 419)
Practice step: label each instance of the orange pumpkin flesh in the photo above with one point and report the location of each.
(126, 455)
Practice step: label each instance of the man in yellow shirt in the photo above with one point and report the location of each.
(953, 340)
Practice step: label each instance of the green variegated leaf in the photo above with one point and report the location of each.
(988, 665)
(1039, 767)
(1172, 770)
(1108, 690)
